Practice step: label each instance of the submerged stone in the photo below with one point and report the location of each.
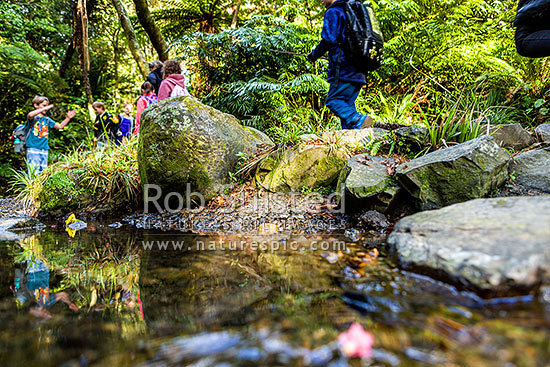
(186, 142)
(462, 172)
(495, 246)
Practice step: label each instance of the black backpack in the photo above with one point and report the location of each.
(532, 13)
(20, 136)
(364, 41)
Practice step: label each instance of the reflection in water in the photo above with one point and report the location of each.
(188, 307)
(32, 283)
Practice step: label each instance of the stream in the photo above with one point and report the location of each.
(267, 299)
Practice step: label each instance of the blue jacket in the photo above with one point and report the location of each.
(332, 36)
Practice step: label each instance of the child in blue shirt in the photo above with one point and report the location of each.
(40, 125)
(126, 121)
(344, 79)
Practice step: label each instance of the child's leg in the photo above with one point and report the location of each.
(535, 44)
(341, 101)
(43, 160)
(35, 160)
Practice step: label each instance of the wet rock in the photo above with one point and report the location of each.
(77, 225)
(5, 228)
(543, 132)
(510, 136)
(353, 234)
(374, 219)
(305, 166)
(425, 356)
(531, 169)
(355, 137)
(385, 357)
(200, 345)
(185, 142)
(418, 135)
(366, 177)
(462, 172)
(494, 246)
(14, 229)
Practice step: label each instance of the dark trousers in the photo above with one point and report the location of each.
(533, 43)
(341, 101)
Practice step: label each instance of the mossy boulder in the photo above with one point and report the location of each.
(61, 193)
(304, 166)
(452, 175)
(186, 142)
(366, 178)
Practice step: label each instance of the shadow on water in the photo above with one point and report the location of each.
(201, 305)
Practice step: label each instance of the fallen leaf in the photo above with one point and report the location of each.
(356, 342)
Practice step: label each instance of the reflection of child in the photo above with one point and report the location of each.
(33, 285)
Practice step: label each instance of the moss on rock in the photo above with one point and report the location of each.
(463, 172)
(61, 192)
(309, 166)
(184, 142)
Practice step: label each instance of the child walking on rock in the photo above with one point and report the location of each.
(344, 78)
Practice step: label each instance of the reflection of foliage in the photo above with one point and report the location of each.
(106, 266)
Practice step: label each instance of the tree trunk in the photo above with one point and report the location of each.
(150, 27)
(235, 14)
(81, 38)
(68, 58)
(131, 36)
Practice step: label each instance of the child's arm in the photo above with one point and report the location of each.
(31, 114)
(333, 30)
(70, 115)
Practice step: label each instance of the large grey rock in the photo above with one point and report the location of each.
(532, 169)
(543, 132)
(462, 172)
(304, 166)
(510, 136)
(496, 246)
(185, 142)
(366, 177)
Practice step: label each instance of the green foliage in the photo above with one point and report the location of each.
(243, 72)
(23, 184)
(436, 53)
(84, 178)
